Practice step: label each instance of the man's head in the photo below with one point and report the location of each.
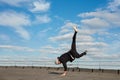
(57, 61)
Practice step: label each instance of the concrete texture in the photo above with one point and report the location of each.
(29, 73)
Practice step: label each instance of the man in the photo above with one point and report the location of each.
(70, 55)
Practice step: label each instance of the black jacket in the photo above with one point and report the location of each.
(64, 58)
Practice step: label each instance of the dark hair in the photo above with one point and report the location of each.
(58, 58)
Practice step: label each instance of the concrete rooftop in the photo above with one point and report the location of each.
(29, 73)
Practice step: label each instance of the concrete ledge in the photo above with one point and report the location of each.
(75, 69)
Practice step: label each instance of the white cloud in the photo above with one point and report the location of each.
(61, 37)
(11, 18)
(108, 18)
(4, 37)
(67, 27)
(114, 5)
(68, 37)
(23, 33)
(104, 14)
(93, 44)
(49, 50)
(95, 23)
(14, 3)
(114, 49)
(17, 21)
(40, 6)
(86, 32)
(84, 38)
(42, 19)
(104, 56)
(17, 48)
(32, 5)
(45, 30)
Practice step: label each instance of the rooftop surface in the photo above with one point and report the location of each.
(27, 73)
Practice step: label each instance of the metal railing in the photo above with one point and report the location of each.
(50, 63)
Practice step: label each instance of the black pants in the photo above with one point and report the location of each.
(73, 50)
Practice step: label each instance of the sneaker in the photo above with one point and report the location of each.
(75, 28)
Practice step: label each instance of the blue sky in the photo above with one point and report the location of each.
(41, 29)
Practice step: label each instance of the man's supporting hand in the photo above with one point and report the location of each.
(64, 74)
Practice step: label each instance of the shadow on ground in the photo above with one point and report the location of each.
(53, 72)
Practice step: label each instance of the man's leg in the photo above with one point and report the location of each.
(80, 55)
(73, 50)
(73, 46)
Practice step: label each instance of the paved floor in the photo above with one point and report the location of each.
(51, 74)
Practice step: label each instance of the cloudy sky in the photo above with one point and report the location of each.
(41, 29)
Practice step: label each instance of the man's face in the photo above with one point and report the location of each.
(57, 61)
